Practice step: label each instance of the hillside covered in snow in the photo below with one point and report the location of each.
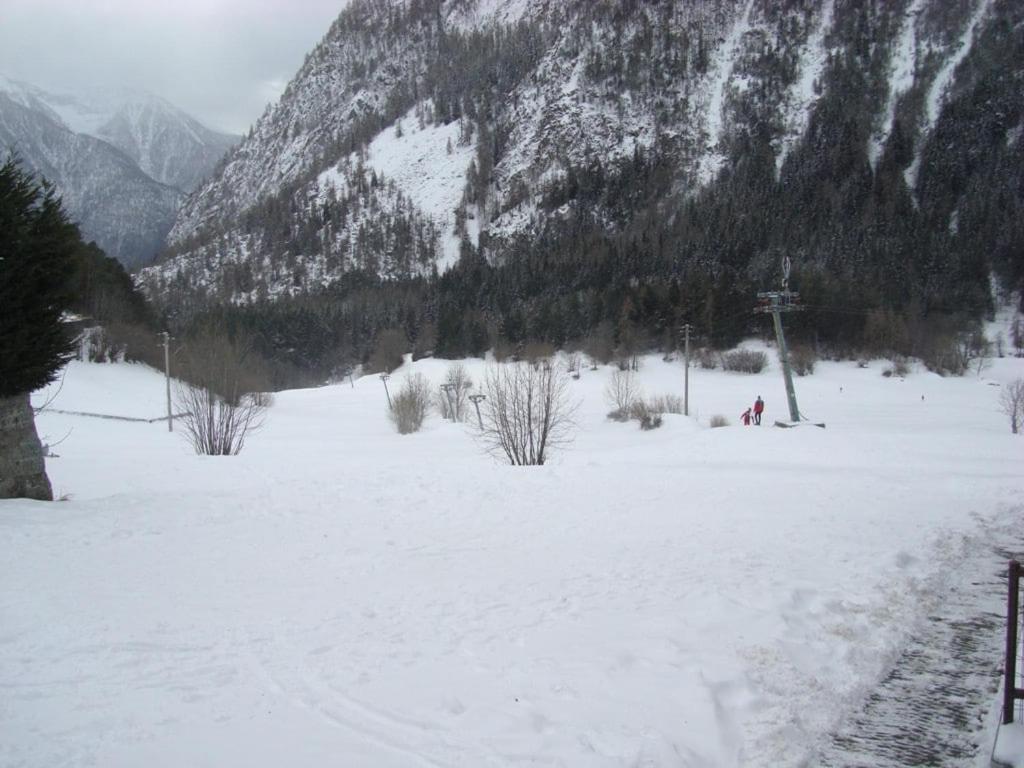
(877, 143)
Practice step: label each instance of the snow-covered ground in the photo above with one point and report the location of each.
(342, 595)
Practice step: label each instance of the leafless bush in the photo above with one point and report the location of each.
(744, 361)
(409, 406)
(665, 404)
(225, 402)
(707, 359)
(1011, 400)
(718, 421)
(573, 364)
(527, 412)
(622, 390)
(651, 421)
(453, 399)
(802, 358)
(641, 412)
(900, 367)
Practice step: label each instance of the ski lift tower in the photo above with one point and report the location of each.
(776, 303)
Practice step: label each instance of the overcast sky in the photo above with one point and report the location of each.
(220, 60)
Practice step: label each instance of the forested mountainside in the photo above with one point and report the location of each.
(122, 161)
(574, 167)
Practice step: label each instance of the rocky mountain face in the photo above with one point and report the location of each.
(122, 161)
(677, 146)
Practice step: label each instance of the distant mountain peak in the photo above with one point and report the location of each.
(98, 143)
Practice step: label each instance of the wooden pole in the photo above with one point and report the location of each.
(167, 379)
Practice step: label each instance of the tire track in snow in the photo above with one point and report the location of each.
(299, 686)
(931, 708)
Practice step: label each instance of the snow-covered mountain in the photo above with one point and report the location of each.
(664, 126)
(122, 160)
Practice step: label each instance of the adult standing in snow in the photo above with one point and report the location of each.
(758, 410)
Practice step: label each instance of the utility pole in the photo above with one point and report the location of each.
(686, 369)
(775, 303)
(384, 377)
(167, 378)
(476, 401)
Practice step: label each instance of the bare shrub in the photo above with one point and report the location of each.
(409, 406)
(1011, 401)
(224, 403)
(899, 367)
(665, 404)
(718, 421)
(638, 409)
(453, 399)
(802, 359)
(573, 364)
(527, 412)
(622, 390)
(650, 421)
(744, 361)
(707, 359)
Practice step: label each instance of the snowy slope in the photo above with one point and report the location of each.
(688, 596)
(603, 84)
(429, 165)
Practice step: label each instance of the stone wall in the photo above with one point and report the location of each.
(22, 468)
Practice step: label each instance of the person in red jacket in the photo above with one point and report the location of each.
(745, 418)
(758, 410)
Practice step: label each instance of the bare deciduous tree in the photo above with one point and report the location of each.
(409, 406)
(223, 405)
(1011, 400)
(622, 390)
(527, 413)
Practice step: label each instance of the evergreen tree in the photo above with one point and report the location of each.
(37, 246)
(36, 262)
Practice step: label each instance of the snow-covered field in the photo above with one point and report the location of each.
(342, 595)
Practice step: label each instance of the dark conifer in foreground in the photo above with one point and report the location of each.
(37, 245)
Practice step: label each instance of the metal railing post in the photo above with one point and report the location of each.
(1012, 621)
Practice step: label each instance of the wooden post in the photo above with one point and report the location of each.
(1012, 621)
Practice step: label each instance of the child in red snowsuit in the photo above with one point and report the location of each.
(745, 418)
